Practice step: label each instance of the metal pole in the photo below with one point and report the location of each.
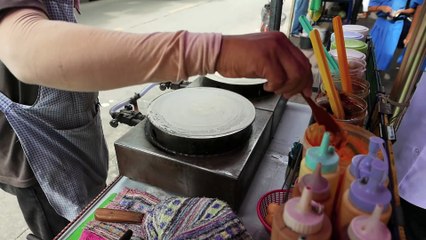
(290, 17)
(411, 68)
(276, 11)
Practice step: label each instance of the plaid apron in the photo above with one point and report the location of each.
(61, 135)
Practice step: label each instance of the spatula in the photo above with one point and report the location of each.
(322, 117)
(341, 55)
(332, 93)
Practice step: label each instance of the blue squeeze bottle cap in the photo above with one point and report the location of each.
(366, 193)
(361, 164)
(324, 154)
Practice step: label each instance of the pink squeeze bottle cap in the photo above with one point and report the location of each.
(361, 164)
(365, 193)
(369, 227)
(300, 216)
(319, 185)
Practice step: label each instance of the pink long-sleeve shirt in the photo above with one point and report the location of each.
(71, 56)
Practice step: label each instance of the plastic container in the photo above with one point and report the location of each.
(361, 165)
(350, 54)
(357, 28)
(357, 141)
(329, 159)
(357, 68)
(320, 189)
(355, 108)
(353, 44)
(356, 63)
(301, 217)
(349, 35)
(369, 227)
(362, 197)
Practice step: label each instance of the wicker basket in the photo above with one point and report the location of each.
(275, 196)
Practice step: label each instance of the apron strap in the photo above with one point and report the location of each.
(5, 103)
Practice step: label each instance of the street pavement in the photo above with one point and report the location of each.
(142, 16)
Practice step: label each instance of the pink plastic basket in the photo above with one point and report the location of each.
(275, 196)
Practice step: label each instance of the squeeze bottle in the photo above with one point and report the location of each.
(300, 216)
(327, 156)
(369, 227)
(320, 189)
(362, 197)
(361, 164)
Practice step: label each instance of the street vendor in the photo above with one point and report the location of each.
(53, 155)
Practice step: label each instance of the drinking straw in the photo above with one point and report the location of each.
(332, 64)
(341, 55)
(333, 96)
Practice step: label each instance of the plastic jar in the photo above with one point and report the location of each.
(349, 35)
(350, 53)
(353, 44)
(357, 68)
(356, 63)
(357, 28)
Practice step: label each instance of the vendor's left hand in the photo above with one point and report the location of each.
(395, 14)
(407, 39)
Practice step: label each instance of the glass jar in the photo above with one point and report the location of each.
(360, 87)
(354, 107)
(356, 63)
(357, 67)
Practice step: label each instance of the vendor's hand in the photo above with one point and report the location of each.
(407, 39)
(268, 55)
(385, 9)
(397, 13)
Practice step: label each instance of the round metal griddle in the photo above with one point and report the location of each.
(199, 121)
(248, 87)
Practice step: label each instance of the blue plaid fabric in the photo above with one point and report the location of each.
(62, 138)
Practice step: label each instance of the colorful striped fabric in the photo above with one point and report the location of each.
(193, 218)
(127, 199)
(173, 218)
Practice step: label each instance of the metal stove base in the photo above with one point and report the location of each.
(226, 177)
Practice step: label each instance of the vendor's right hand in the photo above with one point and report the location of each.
(407, 39)
(268, 55)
